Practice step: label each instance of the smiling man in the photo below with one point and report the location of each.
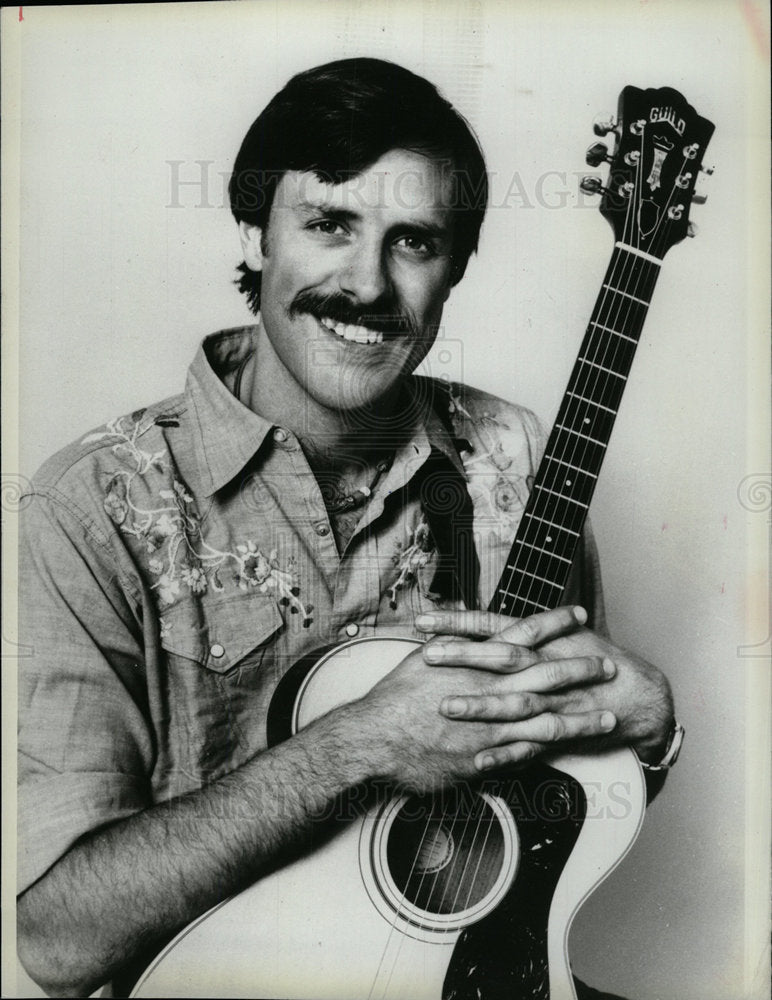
(304, 489)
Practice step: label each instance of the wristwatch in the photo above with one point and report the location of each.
(674, 743)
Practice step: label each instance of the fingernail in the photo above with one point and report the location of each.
(608, 721)
(434, 653)
(454, 706)
(580, 614)
(485, 763)
(609, 667)
(425, 621)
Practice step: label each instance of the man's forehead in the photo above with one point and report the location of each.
(399, 181)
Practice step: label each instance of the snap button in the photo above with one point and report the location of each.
(217, 651)
(352, 629)
(280, 435)
(322, 529)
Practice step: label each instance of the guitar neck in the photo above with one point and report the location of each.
(541, 556)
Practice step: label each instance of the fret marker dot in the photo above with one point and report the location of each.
(568, 482)
(587, 420)
(549, 538)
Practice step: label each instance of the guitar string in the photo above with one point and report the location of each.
(574, 449)
(399, 909)
(480, 849)
(451, 872)
(444, 931)
(643, 276)
(480, 855)
(397, 914)
(542, 595)
(640, 277)
(640, 281)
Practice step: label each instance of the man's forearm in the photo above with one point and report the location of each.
(124, 888)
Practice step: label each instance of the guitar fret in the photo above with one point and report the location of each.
(586, 399)
(616, 333)
(561, 495)
(552, 524)
(536, 548)
(535, 604)
(603, 368)
(541, 579)
(627, 295)
(578, 468)
(570, 430)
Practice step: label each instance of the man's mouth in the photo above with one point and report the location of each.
(349, 331)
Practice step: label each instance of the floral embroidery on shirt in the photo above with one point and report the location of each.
(264, 572)
(411, 556)
(499, 494)
(171, 531)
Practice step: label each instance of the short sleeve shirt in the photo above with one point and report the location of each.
(177, 561)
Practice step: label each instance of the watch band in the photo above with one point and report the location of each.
(674, 745)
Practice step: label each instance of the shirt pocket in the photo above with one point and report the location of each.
(222, 635)
(217, 678)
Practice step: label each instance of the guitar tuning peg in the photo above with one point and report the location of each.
(603, 124)
(592, 185)
(597, 154)
(699, 198)
(692, 229)
(707, 170)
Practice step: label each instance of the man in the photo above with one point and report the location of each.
(178, 561)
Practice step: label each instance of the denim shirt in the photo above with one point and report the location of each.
(177, 561)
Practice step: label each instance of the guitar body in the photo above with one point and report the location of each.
(426, 898)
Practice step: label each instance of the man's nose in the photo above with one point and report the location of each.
(365, 277)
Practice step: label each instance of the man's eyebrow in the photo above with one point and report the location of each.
(429, 230)
(330, 211)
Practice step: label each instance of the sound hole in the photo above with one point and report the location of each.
(445, 861)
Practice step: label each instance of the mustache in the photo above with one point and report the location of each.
(383, 315)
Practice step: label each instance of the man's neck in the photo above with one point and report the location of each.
(341, 442)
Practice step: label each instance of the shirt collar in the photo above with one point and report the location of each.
(227, 434)
(432, 400)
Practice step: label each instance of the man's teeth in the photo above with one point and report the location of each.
(359, 334)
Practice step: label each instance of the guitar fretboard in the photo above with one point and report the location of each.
(541, 556)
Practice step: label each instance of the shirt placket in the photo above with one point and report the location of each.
(358, 584)
(299, 497)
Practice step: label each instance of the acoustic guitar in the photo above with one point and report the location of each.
(470, 894)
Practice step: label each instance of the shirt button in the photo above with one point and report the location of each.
(280, 435)
(322, 529)
(217, 651)
(352, 629)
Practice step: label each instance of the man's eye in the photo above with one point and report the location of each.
(328, 226)
(415, 246)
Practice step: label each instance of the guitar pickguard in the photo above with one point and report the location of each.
(505, 956)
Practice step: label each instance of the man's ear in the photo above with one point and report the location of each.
(251, 237)
(457, 273)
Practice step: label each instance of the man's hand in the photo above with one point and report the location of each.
(483, 704)
(555, 677)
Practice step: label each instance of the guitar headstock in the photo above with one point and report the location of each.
(660, 144)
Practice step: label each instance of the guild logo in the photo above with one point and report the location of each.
(668, 115)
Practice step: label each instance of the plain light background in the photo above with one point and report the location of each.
(121, 275)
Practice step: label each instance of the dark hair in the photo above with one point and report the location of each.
(337, 120)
